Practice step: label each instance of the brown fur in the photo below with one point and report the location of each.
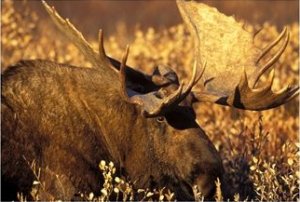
(69, 118)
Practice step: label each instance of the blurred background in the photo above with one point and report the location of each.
(160, 14)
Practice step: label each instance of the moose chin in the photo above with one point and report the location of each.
(67, 119)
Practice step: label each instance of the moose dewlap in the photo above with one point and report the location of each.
(64, 120)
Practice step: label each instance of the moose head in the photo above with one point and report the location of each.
(151, 132)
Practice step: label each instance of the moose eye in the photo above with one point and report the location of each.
(160, 119)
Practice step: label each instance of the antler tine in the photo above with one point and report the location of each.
(269, 64)
(123, 74)
(285, 95)
(201, 73)
(271, 45)
(101, 49)
(293, 93)
(269, 83)
(194, 80)
(286, 89)
(265, 89)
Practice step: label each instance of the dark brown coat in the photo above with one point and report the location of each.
(67, 120)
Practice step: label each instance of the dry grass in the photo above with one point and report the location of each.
(260, 150)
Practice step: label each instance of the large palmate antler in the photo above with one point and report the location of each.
(233, 61)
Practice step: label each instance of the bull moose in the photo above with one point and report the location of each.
(67, 119)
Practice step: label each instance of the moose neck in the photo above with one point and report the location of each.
(110, 114)
(121, 124)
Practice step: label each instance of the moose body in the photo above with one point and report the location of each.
(59, 115)
(66, 119)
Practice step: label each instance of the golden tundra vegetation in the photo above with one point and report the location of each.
(260, 150)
